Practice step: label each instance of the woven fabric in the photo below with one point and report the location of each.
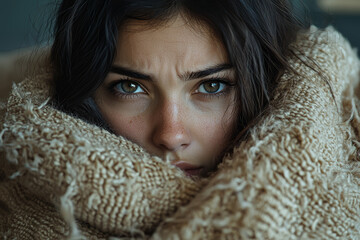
(296, 176)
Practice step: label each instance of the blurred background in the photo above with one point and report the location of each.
(24, 23)
(344, 15)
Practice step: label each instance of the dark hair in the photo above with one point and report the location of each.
(256, 35)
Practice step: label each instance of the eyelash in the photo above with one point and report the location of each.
(115, 92)
(228, 85)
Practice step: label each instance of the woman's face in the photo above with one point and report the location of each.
(171, 90)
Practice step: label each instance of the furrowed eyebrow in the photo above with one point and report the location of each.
(129, 73)
(206, 72)
(186, 77)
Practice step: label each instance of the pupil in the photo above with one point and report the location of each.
(129, 87)
(212, 87)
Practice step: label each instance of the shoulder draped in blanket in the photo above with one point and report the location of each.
(296, 175)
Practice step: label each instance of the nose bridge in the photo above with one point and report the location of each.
(170, 112)
(171, 127)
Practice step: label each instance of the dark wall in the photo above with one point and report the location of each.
(24, 23)
(347, 24)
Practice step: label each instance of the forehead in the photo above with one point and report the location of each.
(175, 41)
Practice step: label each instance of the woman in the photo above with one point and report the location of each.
(183, 82)
(124, 49)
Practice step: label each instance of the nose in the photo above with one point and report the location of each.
(170, 132)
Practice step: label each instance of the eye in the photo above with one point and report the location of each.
(211, 87)
(127, 87)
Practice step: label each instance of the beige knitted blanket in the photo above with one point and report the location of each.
(296, 176)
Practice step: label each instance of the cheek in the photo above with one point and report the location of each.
(217, 122)
(214, 130)
(212, 139)
(126, 118)
(131, 127)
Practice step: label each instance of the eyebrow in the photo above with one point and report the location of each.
(187, 76)
(129, 73)
(206, 72)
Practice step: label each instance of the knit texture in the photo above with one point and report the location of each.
(296, 176)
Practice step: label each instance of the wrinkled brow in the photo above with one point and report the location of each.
(186, 77)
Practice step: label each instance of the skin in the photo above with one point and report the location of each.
(169, 112)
